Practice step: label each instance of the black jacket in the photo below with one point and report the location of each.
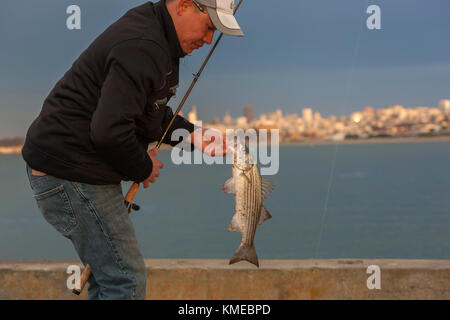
(96, 123)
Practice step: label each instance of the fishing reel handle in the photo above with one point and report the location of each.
(130, 196)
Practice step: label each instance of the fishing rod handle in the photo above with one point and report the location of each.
(83, 279)
(132, 192)
(135, 186)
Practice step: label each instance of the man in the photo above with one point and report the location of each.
(95, 126)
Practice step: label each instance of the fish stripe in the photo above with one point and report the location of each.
(247, 209)
(251, 206)
(251, 231)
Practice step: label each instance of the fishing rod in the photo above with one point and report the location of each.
(135, 186)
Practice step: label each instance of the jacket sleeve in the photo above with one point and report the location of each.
(179, 123)
(132, 75)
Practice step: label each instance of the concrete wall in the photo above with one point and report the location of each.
(275, 279)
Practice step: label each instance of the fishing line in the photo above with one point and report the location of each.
(336, 145)
(325, 209)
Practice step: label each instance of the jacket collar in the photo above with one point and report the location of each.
(169, 29)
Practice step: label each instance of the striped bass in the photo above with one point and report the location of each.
(250, 189)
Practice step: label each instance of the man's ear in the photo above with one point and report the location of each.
(182, 6)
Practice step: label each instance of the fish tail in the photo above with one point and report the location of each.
(247, 253)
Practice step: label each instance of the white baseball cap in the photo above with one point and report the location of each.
(221, 14)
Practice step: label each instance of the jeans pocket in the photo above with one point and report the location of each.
(57, 210)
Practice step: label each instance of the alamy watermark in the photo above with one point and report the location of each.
(74, 20)
(374, 281)
(243, 147)
(374, 20)
(74, 280)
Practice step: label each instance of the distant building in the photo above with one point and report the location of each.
(317, 116)
(215, 121)
(307, 115)
(444, 105)
(227, 119)
(192, 116)
(248, 112)
(278, 114)
(369, 110)
(356, 117)
(241, 122)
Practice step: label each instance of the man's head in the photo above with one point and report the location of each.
(196, 20)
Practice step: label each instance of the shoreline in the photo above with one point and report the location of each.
(10, 150)
(307, 143)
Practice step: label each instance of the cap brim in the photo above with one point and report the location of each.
(225, 22)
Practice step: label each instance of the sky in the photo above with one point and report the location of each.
(295, 54)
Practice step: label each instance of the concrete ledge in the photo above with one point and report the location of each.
(275, 279)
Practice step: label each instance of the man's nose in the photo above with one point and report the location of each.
(209, 37)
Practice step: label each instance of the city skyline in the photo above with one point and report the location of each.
(192, 114)
(238, 113)
(310, 114)
(249, 119)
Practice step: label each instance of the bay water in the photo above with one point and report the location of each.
(330, 201)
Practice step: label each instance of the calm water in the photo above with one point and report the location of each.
(385, 201)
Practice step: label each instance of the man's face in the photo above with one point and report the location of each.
(195, 28)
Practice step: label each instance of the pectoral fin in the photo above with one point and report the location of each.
(228, 186)
(234, 224)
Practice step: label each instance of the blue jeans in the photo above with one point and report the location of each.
(96, 220)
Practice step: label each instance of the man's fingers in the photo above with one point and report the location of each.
(218, 148)
(209, 149)
(229, 149)
(226, 148)
(153, 152)
(210, 139)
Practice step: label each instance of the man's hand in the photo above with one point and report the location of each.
(155, 170)
(210, 141)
